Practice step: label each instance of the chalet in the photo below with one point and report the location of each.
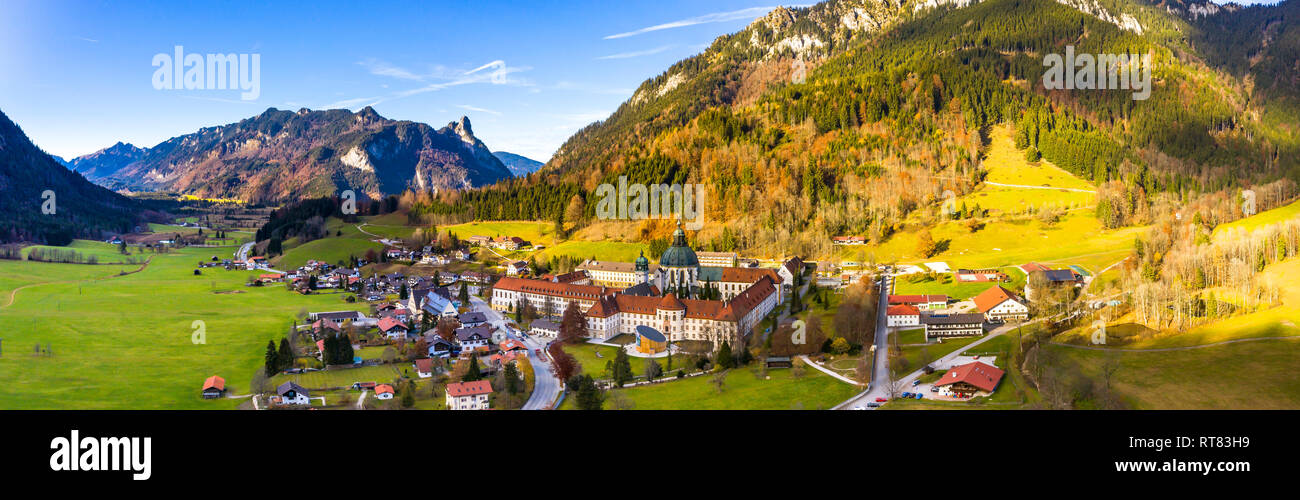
(848, 240)
(324, 326)
(398, 313)
(513, 345)
(923, 302)
(968, 380)
(544, 328)
(440, 347)
(952, 325)
(293, 394)
(902, 315)
(472, 319)
(395, 253)
(469, 395)
(516, 268)
(424, 367)
(999, 304)
(509, 243)
(480, 240)
(472, 338)
(270, 278)
(214, 387)
(499, 361)
(476, 277)
(392, 328)
(383, 391)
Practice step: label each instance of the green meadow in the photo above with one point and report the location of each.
(126, 342)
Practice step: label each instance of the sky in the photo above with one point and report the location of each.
(80, 76)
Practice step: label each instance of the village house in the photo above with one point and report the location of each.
(788, 271)
(424, 367)
(939, 326)
(214, 387)
(469, 395)
(472, 319)
(392, 328)
(438, 305)
(848, 240)
(509, 243)
(544, 329)
(902, 315)
(980, 275)
(384, 391)
(999, 304)
(440, 347)
(480, 240)
(473, 338)
(969, 380)
(1051, 278)
(293, 394)
(516, 268)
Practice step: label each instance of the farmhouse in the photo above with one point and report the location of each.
(999, 304)
(469, 395)
(214, 387)
(902, 315)
(516, 268)
(952, 325)
(383, 391)
(848, 240)
(1051, 278)
(480, 240)
(971, 379)
(509, 243)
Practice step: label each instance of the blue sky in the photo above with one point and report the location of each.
(77, 75)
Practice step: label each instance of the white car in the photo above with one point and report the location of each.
(858, 407)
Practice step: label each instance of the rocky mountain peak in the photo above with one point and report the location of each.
(463, 129)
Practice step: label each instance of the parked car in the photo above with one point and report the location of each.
(858, 407)
(919, 395)
(881, 400)
(934, 388)
(916, 382)
(873, 405)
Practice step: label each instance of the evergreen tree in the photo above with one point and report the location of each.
(621, 371)
(285, 354)
(725, 361)
(589, 396)
(272, 365)
(513, 382)
(472, 373)
(464, 294)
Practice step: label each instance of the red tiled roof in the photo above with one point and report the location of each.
(383, 389)
(214, 382)
(976, 373)
(670, 303)
(567, 290)
(1033, 266)
(424, 365)
(902, 310)
(388, 323)
(748, 274)
(988, 299)
(474, 388)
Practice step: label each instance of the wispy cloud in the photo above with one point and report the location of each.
(477, 109)
(638, 53)
(438, 78)
(84, 39)
(716, 17)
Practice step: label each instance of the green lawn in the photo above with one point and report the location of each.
(104, 253)
(331, 250)
(743, 391)
(946, 284)
(913, 354)
(1248, 375)
(125, 342)
(1261, 219)
(383, 374)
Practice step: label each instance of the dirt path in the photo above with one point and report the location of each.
(13, 294)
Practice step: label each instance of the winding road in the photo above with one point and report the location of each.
(546, 387)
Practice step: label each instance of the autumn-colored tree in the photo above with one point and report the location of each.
(573, 328)
(925, 245)
(565, 364)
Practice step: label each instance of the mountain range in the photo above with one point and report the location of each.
(846, 116)
(518, 165)
(280, 156)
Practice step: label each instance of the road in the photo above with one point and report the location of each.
(879, 386)
(546, 386)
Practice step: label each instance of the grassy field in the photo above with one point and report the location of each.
(913, 354)
(126, 342)
(947, 285)
(104, 252)
(743, 391)
(535, 232)
(1258, 220)
(594, 366)
(383, 374)
(331, 250)
(1248, 375)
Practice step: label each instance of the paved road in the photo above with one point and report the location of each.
(546, 386)
(242, 253)
(879, 387)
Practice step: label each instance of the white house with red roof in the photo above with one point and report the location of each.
(384, 391)
(424, 367)
(902, 315)
(469, 395)
(393, 328)
(971, 379)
